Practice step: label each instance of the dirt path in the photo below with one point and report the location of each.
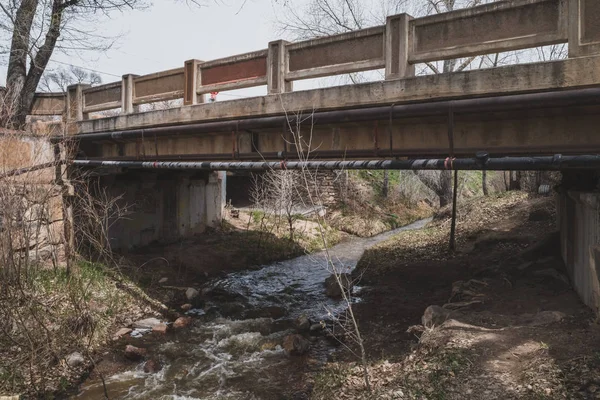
(511, 327)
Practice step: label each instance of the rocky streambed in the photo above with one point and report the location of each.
(249, 335)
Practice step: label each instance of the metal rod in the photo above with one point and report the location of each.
(454, 204)
(565, 98)
(546, 163)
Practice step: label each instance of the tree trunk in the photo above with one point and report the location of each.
(445, 189)
(386, 184)
(484, 186)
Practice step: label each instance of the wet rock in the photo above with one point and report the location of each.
(163, 280)
(186, 307)
(121, 332)
(229, 309)
(152, 366)
(434, 316)
(135, 353)
(147, 323)
(160, 329)
(182, 322)
(296, 345)
(191, 294)
(75, 360)
(334, 289)
(316, 329)
(302, 323)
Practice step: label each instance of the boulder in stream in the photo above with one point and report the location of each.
(147, 323)
(135, 353)
(296, 345)
(182, 322)
(152, 366)
(333, 288)
(191, 294)
(302, 323)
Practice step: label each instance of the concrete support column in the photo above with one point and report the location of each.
(578, 218)
(584, 27)
(277, 67)
(127, 94)
(398, 45)
(75, 102)
(192, 82)
(215, 197)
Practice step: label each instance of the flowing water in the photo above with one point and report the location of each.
(233, 350)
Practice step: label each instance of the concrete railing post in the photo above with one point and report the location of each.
(398, 44)
(75, 102)
(584, 29)
(127, 94)
(192, 82)
(277, 66)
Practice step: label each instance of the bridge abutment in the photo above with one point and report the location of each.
(578, 218)
(164, 207)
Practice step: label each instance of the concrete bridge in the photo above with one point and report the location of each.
(540, 108)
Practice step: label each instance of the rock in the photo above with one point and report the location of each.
(191, 294)
(147, 323)
(75, 360)
(296, 345)
(332, 287)
(121, 332)
(163, 280)
(302, 323)
(186, 307)
(317, 328)
(547, 317)
(135, 353)
(160, 328)
(434, 316)
(152, 366)
(182, 322)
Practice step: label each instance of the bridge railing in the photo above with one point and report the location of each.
(396, 47)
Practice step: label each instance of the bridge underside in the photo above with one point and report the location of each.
(566, 130)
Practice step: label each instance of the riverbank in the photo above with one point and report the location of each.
(507, 324)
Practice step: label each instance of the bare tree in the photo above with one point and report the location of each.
(37, 29)
(58, 80)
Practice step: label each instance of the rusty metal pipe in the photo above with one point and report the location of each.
(481, 162)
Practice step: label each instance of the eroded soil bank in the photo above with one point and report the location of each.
(507, 326)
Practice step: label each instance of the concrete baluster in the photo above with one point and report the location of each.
(398, 45)
(127, 94)
(192, 82)
(584, 27)
(277, 67)
(75, 102)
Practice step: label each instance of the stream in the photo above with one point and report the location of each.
(233, 348)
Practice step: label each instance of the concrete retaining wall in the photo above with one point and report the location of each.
(579, 222)
(164, 208)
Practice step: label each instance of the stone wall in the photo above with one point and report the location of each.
(31, 208)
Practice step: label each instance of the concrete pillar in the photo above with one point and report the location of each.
(277, 67)
(584, 27)
(398, 45)
(192, 82)
(127, 93)
(75, 102)
(215, 197)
